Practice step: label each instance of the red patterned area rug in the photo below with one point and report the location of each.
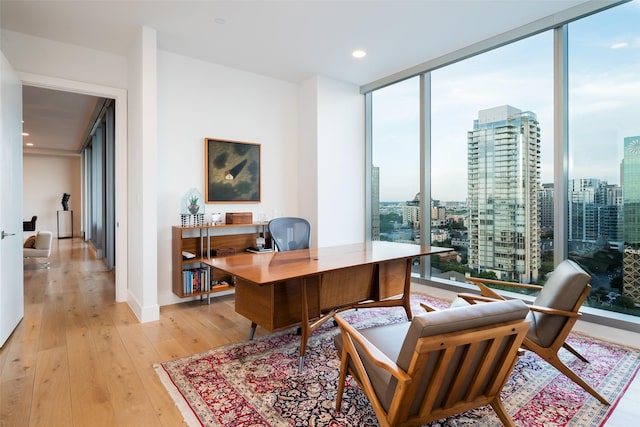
(256, 383)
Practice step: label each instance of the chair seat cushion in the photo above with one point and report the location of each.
(459, 302)
(388, 339)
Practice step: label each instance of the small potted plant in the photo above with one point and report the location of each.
(193, 204)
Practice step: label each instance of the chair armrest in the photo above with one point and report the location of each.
(554, 311)
(427, 307)
(376, 356)
(473, 298)
(478, 281)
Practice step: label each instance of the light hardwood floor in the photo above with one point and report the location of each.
(80, 359)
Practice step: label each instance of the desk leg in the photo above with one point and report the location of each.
(304, 324)
(406, 297)
(252, 332)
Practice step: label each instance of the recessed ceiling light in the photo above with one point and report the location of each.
(25, 133)
(29, 144)
(359, 53)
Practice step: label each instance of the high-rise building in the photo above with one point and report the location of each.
(545, 207)
(411, 212)
(375, 203)
(438, 212)
(595, 213)
(631, 195)
(503, 181)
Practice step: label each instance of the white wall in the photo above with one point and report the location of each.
(45, 179)
(141, 171)
(198, 100)
(341, 163)
(307, 167)
(331, 167)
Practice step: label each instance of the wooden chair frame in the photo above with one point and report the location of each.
(443, 347)
(550, 354)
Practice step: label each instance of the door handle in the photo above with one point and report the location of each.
(3, 235)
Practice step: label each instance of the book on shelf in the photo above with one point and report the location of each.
(195, 280)
(188, 255)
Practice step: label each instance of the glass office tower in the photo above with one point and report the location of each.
(595, 214)
(545, 206)
(375, 203)
(503, 181)
(631, 195)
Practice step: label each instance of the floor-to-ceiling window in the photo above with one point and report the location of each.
(604, 153)
(395, 185)
(508, 186)
(99, 192)
(491, 150)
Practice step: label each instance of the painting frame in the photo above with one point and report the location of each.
(232, 171)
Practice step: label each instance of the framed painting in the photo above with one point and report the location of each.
(232, 171)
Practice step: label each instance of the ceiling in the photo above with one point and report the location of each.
(56, 121)
(287, 40)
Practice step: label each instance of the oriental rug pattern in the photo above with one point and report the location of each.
(257, 383)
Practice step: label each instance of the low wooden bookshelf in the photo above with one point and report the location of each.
(204, 241)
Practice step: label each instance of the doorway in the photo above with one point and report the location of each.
(119, 156)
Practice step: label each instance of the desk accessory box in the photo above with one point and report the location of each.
(239, 218)
(223, 251)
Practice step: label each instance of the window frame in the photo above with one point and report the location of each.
(558, 23)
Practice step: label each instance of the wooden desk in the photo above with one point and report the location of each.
(307, 287)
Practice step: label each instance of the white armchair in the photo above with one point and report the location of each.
(39, 246)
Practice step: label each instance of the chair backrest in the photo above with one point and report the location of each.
(44, 240)
(461, 355)
(29, 225)
(566, 289)
(290, 233)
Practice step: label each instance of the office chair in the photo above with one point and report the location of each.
(290, 233)
(29, 225)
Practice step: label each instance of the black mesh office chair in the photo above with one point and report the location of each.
(290, 233)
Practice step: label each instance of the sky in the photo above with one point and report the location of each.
(604, 106)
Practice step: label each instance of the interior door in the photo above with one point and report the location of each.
(11, 260)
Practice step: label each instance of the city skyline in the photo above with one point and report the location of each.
(602, 83)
